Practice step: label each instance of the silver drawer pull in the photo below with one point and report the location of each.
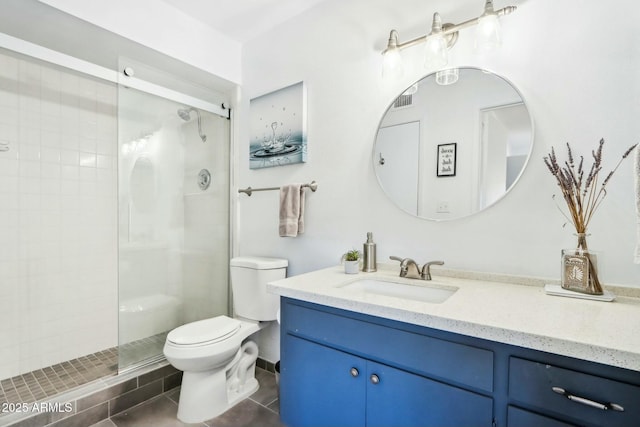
(588, 402)
(375, 379)
(354, 372)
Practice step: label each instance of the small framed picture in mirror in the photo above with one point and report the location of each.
(447, 159)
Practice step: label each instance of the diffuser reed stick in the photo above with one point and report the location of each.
(583, 195)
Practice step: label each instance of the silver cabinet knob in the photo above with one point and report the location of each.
(354, 372)
(375, 379)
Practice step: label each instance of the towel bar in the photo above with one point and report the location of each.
(312, 185)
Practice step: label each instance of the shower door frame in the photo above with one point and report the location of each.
(67, 61)
(120, 78)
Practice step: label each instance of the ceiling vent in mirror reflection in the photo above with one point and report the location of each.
(403, 101)
(482, 115)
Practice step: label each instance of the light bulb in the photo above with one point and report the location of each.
(392, 64)
(488, 33)
(436, 55)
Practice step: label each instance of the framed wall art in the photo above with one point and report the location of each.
(447, 159)
(278, 128)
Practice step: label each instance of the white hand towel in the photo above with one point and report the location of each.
(636, 162)
(291, 210)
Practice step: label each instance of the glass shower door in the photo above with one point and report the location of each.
(173, 202)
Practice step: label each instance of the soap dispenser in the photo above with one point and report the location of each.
(369, 251)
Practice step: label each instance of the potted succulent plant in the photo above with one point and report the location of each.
(351, 261)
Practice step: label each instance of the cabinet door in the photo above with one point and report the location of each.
(400, 398)
(320, 386)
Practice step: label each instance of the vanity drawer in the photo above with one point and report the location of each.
(517, 417)
(532, 384)
(449, 361)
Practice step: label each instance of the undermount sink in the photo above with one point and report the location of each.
(407, 291)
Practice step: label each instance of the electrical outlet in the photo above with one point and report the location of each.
(443, 207)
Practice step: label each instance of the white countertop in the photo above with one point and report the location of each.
(511, 313)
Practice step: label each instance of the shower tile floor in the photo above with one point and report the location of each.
(260, 409)
(44, 383)
(47, 382)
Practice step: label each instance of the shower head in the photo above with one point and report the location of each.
(185, 114)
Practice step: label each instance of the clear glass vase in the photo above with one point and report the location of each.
(580, 268)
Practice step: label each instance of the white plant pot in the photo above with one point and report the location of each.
(351, 267)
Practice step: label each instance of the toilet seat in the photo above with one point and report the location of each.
(204, 332)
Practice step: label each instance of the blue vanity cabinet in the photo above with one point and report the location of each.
(343, 369)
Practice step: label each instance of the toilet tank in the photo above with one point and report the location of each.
(249, 278)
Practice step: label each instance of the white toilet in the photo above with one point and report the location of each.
(217, 358)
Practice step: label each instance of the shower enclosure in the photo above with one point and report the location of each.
(173, 224)
(114, 224)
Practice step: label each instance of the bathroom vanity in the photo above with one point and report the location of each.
(489, 354)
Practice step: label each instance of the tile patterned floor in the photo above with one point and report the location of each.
(261, 409)
(47, 382)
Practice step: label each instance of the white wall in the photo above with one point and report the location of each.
(580, 83)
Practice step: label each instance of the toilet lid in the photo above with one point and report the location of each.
(204, 331)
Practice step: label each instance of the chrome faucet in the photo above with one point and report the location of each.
(426, 269)
(407, 263)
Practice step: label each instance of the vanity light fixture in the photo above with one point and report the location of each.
(443, 37)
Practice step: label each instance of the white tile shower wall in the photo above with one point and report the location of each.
(206, 220)
(58, 240)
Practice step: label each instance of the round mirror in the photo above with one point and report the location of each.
(453, 144)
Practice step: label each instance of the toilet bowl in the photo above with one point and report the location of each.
(207, 350)
(216, 356)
